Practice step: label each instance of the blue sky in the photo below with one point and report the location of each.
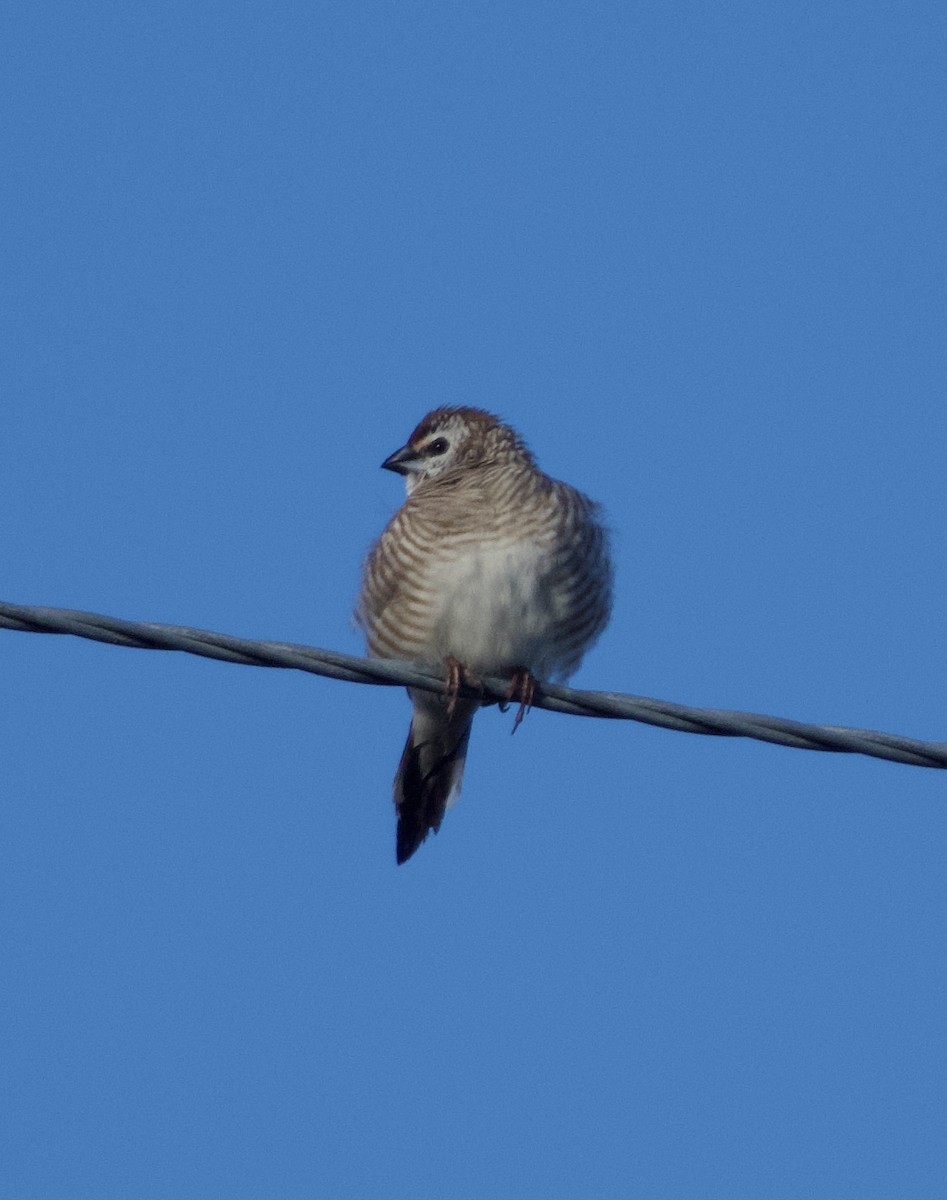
(695, 253)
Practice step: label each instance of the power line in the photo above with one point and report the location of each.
(392, 673)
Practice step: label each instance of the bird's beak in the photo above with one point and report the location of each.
(402, 461)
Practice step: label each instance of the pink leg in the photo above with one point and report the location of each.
(457, 674)
(522, 688)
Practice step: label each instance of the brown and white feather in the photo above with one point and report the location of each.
(489, 563)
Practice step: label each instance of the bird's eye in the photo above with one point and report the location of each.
(438, 446)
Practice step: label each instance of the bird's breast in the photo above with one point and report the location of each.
(495, 608)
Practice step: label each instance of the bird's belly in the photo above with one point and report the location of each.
(497, 608)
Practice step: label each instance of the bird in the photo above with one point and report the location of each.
(488, 568)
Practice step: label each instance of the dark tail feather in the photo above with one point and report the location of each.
(429, 774)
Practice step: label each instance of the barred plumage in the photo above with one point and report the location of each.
(488, 568)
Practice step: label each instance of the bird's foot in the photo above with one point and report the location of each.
(522, 689)
(457, 676)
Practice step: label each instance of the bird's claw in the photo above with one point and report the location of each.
(522, 689)
(457, 676)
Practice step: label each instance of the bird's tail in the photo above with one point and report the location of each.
(431, 769)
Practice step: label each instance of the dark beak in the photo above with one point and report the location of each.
(401, 461)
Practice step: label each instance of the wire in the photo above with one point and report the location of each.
(394, 673)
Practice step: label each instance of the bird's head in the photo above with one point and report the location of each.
(450, 439)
